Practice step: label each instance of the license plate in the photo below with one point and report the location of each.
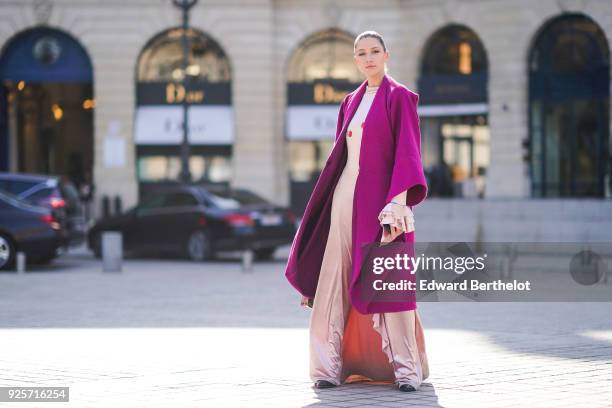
(270, 219)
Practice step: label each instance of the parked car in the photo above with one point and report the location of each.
(199, 222)
(52, 192)
(28, 228)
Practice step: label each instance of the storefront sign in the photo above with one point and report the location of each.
(173, 93)
(311, 122)
(163, 125)
(312, 108)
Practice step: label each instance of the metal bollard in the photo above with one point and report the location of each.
(112, 251)
(21, 262)
(247, 260)
(106, 210)
(117, 205)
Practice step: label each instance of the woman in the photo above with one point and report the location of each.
(373, 174)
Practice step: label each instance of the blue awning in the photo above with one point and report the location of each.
(45, 55)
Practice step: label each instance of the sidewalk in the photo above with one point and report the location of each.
(171, 333)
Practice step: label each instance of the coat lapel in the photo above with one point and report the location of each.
(356, 100)
(378, 106)
(353, 105)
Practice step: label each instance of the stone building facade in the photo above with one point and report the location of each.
(261, 38)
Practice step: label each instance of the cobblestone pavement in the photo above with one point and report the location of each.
(172, 333)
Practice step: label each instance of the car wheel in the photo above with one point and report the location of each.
(198, 246)
(264, 253)
(7, 252)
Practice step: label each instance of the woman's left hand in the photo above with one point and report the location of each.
(399, 218)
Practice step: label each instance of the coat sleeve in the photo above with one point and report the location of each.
(407, 174)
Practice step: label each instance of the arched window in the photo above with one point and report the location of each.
(454, 50)
(46, 111)
(161, 92)
(454, 112)
(569, 94)
(162, 58)
(321, 71)
(324, 55)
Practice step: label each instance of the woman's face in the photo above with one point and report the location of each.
(370, 57)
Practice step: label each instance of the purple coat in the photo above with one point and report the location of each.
(389, 163)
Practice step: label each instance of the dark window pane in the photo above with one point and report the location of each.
(9, 199)
(180, 199)
(17, 187)
(570, 44)
(454, 50)
(153, 201)
(42, 195)
(569, 92)
(235, 198)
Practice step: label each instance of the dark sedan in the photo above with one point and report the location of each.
(26, 228)
(200, 222)
(53, 192)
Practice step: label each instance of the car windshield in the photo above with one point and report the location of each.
(17, 186)
(152, 201)
(40, 195)
(235, 198)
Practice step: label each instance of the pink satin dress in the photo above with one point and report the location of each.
(346, 346)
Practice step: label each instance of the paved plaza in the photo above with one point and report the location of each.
(173, 333)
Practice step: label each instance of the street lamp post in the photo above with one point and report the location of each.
(185, 6)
